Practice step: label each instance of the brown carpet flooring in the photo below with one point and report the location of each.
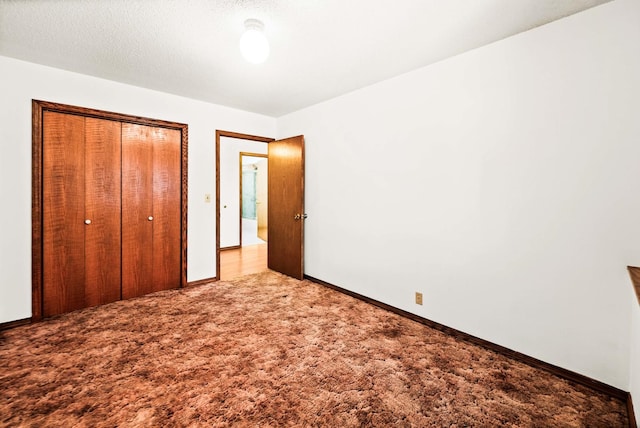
(267, 351)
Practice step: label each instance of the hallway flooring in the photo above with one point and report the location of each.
(243, 261)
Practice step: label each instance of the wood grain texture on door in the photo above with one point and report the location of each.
(166, 208)
(151, 209)
(102, 209)
(63, 214)
(286, 206)
(137, 208)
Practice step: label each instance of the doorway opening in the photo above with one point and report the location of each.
(254, 198)
(285, 241)
(242, 204)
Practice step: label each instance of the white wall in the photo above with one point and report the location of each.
(230, 149)
(20, 82)
(502, 184)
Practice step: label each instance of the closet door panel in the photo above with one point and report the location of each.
(63, 213)
(102, 206)
(166, 208)
(137, 208)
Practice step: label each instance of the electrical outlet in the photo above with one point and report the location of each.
(207, 198)
(418, 298)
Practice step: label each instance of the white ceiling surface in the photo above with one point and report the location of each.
(319, 48)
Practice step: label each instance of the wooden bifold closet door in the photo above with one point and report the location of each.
(150, 209)
(81, 212)
(112, 225)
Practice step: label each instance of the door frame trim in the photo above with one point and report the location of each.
(239, 136)
(37, 110)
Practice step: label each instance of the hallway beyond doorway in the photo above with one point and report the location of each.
(250, 233)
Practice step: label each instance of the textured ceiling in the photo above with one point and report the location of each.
(319, 48)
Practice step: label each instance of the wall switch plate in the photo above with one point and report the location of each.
(207, 198)
(418, 298)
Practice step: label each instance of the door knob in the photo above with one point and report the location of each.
(150, 218)
(296, 217)
(87, 221)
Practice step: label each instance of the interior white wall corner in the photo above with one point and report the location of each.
(499, 183)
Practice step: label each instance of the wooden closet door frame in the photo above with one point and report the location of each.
(37, 247)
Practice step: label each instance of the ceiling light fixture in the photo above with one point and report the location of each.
(253, 43)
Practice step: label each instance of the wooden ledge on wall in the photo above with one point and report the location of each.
(634, 273)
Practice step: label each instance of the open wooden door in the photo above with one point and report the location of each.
(286, 206)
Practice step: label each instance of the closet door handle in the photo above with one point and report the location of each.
(150, 218)
(87, 221)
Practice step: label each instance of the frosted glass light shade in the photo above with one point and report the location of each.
(253, 43)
